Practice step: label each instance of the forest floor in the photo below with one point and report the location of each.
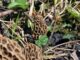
(53, 25)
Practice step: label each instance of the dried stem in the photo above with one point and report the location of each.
(6, 12)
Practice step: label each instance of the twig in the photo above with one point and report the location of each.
(61, 44)
(64, 7)
(77, 3)
(10, 11)
(64, 49)
(74, 56)
(59, 49)
(6, 12)
(54, 56)
(30, 18)
(31, 8)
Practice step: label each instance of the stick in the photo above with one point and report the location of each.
(5, 13)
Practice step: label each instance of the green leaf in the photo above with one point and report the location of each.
(16, 23)
(66, 25)
(55, 1)
(43, 39)
(14, 27)
(73, 13)
(68, 36)
(18, 3)
(12, 5)
(49, 28)
(30, 24)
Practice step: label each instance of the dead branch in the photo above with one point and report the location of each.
(6, 12)
(52, 48)
(54, 56)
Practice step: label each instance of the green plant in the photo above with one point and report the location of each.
(30, 24)
(49, 28)
(43, 39)
(14, 27)
(55, 1)
(68, 36)
(18, 4)
(15, 23)
(73, 13)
